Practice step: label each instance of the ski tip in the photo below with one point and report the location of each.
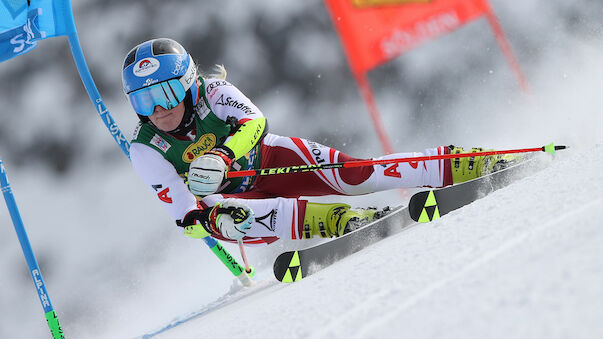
(551, 148)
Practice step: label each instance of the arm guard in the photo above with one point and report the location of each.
(247, 136)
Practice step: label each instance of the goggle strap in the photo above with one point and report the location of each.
(189, 75)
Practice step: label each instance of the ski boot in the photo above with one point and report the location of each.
(328, 220)
(465, 169)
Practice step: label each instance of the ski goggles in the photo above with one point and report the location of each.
(167, 94)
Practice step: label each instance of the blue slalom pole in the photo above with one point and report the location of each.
(36, 275)
(93, 93)
(95, 97)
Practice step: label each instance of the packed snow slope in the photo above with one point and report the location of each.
(523, 262)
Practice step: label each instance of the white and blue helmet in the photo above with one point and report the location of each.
(159, 72)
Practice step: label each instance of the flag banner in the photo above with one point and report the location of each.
(24, 22)
(375, 31)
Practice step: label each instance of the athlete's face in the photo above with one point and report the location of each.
(167, 119)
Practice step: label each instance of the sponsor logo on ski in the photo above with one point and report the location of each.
(145, 67)
(158, 142)
(234, 103)
(204, 144)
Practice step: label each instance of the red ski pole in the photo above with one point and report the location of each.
(359, 163)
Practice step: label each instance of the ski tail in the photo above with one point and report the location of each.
(287, 267)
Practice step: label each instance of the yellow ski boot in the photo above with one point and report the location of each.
(328, 220)
(465, 169)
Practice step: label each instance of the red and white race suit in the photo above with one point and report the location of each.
(274, 199)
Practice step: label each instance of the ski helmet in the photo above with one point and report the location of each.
(158, 72)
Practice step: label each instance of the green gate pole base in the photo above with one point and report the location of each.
(55, 327)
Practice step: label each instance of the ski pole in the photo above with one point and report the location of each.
(228, 260)
(242, 250)
(359, 163)
(36, 275)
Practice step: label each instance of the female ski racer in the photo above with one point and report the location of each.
(194, 129)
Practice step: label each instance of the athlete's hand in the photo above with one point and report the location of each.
(229, 218)
(233, 219)
(206, 173)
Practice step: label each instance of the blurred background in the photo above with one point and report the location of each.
(113, 261)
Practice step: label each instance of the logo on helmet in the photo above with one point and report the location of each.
(146, 67)
(149, 82)
(179, 65)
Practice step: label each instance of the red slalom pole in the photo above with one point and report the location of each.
(359, 163)
(505, 47)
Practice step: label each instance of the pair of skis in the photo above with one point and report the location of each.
(423, 206)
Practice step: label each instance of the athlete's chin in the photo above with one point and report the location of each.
(167, 127)
(167, 122)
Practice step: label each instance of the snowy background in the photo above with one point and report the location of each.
(525, 262)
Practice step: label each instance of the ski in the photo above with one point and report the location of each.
(430, 205)
(293, 266)
(423, 206)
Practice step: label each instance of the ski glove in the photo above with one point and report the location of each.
(205, 174)
(229, 218)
